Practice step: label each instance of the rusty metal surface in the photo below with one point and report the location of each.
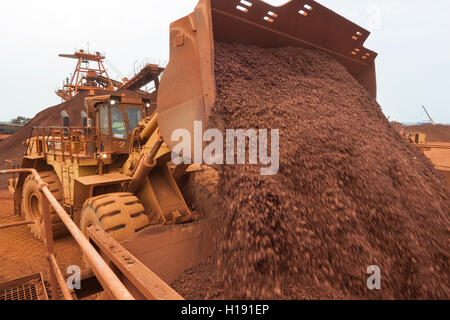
(187, 89)
(317, 27)
(55, 271)
(146, 164)
(84, 77)
(103, 179)
(170, 250)
(103, 272)
(106, 276)
(148, 74)
(56, 278)
(144, 283)
(27, 288)
(267, 26)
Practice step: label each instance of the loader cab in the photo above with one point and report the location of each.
(115, 120)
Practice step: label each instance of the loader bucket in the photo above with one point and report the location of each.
(187, 89)
(168, 250)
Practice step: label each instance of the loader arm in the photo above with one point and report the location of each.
(152, 180)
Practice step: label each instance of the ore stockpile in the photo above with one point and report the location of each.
(350, 192)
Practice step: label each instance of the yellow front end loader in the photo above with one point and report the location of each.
(115, 171)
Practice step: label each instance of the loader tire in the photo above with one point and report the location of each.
(31, 202)
(119, 214)
(200, 192)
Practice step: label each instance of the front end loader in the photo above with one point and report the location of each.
(115, 171)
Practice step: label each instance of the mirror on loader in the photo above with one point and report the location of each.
(115, 119)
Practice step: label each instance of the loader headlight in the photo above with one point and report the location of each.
(112, 102)
(105, 156)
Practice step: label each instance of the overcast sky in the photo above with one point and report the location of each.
(411, 37)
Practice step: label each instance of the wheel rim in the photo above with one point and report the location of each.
(35, 207)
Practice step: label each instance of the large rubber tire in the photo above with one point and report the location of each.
(200, 192)
(119, 214)
(32, 199)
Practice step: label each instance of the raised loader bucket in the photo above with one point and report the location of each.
(187, 89)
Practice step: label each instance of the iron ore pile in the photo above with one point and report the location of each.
(350, 192)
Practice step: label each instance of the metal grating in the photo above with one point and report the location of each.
(28, 288)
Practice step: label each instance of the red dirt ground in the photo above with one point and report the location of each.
(21, 254)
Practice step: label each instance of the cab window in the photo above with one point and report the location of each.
(134, 117)
(117, 123)
(104, 120)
